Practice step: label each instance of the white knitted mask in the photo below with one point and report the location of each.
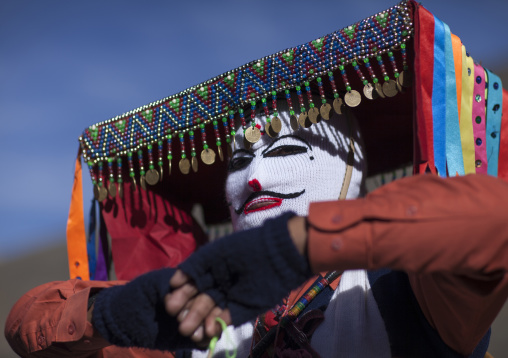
(288, 172)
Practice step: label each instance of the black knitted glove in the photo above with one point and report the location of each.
(133, 315)
(250, 271)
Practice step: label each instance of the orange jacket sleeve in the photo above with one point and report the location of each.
(449, 235)
(51, 321)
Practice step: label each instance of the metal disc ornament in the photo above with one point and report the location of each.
(253, 134)
(303, 120)
(405, 79)
(293, 122)
(169, 167)
(161, 168)
(379, 90)
(276, 125)
(100, 192)
(268, 130)
(390, 88)
(194, 163)
(152, 177)
(221, 154)
(112, 189)
(369, 92)
(142, 182)
(314, 115)
(184, 165)
(326, 111)
(338, 105)
(230, 150)
(352, 98)
(208, 156)
(120, 190)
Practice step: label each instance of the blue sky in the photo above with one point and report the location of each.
(65, 65)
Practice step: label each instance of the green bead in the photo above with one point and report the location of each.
(218, 143)
(252, 94)
(291, 112)
(348, 88)
(170, 156)
(404, 33)
(263, 100)
(335, 95)
(231, 112)
(160, 163)
(396, 75)
(390, 53)
(140, 153)
(191, 132)
(306, 83)
(403, 46)
(274, 93)
(205, 146)
(318, 79)
(330, 73)
(228, 140)
(224, 120)
(342, 59)
(142, 172)
(110, 160)
(286, 91)
(193, 154)
(323, 100)
(365, 82)
(151, 166)
(240, 110)
(366, 60)
(311, 71)
(159, 142)
(302, 109)
(184, 156)
(375, 80)
(94, 182)
(149, 146)
(312, 105)
(233, 133)
(202, 125)
(119, 180)
(386, 78)
(131, 174)
(341, 67)
(354, 63)
(252, 103)
(180, 135)
(378, 58)
(298, 88)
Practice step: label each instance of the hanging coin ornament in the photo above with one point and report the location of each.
(276, 125)
(303, 120)
(152, 177)
(142, 182)
(184, 165)
(134, 186)
(112, 189)
(252, 134)
(169, 167)
(325, 111)
(269, 131)
(314, 116)
(390, 88)
(405, 79)
(208, 156)
(96, 191)
(293, 122)
(103, 193)
(120, 191)
(369, 92)
(352, 98)
(230, 148)
(338, 105)
(194, 164)
(221, 153)
(379, 90)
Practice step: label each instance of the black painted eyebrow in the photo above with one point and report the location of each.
(287, 136)
(242, 151)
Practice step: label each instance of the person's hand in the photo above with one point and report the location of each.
(247, 272)
(195, 311)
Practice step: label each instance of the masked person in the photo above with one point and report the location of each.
(413, 269)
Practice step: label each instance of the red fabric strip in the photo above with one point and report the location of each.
(502, 171)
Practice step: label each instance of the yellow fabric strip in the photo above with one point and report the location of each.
(76, 234)
(466, 113)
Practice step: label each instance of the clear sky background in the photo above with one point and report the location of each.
(65, 65)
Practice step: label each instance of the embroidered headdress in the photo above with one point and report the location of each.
(418, 96)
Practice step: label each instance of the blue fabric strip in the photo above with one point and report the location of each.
(454, 157)
(493, 114)
(90, 242)
(439, 98)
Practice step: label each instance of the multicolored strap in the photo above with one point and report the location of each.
(466, 112)
(493, 120)
(478, 119)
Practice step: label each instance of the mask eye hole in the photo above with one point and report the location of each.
(285, 150)
(239, 163)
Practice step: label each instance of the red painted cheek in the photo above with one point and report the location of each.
(255, 185)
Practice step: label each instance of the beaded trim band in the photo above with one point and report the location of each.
(182, 115)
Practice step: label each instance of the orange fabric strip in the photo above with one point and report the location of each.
(457, 58)
(76, 234)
